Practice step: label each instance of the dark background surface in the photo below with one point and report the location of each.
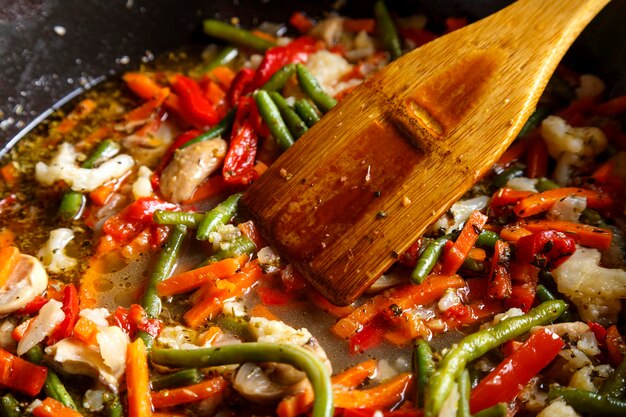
(40, 69)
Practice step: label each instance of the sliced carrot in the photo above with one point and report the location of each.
(7, 237)
(301, 22)
(583, 234)
(453, 258)
(264, 35)
(82, 110)
(405, 297)
(19, 375)
(210, 336)
(358, 25)
(142, 85)
(214, 93)
(223, 75)
(10, 174)
(615, 346)
(212, 187)
(20, 330)
(86, 331)
(355, 375)
(500, 285)
(514, 152)
(538, 203)
(195, 278)
(213, 294)
(612, 107)
(295, 405)
(478, 254)
(94, 137)
(512, 233)
(322, 303)
(604, 172)
(260, 310)
(537, 159)
(138, 380)
(53, 408)
(144, 111)
(384, 395)
(101, 195)
(192, 393)
(9, 258)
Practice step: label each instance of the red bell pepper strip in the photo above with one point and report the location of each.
(296, 51)
(134, 319)
(193, 101)
(525, 277)
(507, 196)
(545, 249)
(537, 159)
(240, 86)
(169, 154)
(584, 234)
(500, 285)
(418, 36)
(453, 258)
(505, 382)
(598, 331)
(34, 306)
(20, 375)
(301, 22)
(239, 162)
(133, 219)
(615, 346)
(70, 308)
(371, 335)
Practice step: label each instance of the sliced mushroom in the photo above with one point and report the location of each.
(28, 280)
(190, 166)
(257, 384)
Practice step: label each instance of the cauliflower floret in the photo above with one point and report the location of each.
(329, 30)
(94, 400)
(568, 209)
(274, 331)
(571, 146)
(590, 86)
(558, 409)
(223, 235)
(142, 187)
(52, 254)
(462, 210)
(328, 68)
(234, 308)
(178, 337)
(63, 167)
(523, 184)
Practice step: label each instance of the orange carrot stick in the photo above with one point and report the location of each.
(355, 375)
(513, 233)
(142, 85)
(357, 25)
(189, 394)
(537, 159)
(82, 110)
(86, 331)
(9, 258)
(138, 380)
(53, 408)
(583, 234)
(612, 107)
(295, 405)
(538, 203)
(10, 174)
(384, 395)
(144, 111)
(195, 278)
(212, 187)
(453, 258)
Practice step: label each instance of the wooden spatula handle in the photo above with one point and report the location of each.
(369, 178)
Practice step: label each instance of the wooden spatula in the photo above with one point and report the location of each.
(367, 180)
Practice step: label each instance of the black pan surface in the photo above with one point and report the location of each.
(51, 49)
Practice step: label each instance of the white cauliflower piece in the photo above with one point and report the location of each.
(27, 280)
(329, 30)
(590, 86)
(523, 184)
(6, 341)
(462, 210)
(223, 235)
(328, 68)
(274, 331)
(142, 187)
(558, 409)
(49, 317)
(178, 337)
(234, 308)
(568, 209)
(97, 315)
(63, 167)
(94, 400)
(52, 254)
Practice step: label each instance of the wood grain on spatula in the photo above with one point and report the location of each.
(367, 180)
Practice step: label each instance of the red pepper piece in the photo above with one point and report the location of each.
(410, 256)
(301, 22)
(21, 376)
(239, 162)
(193, 101)
(71, 309)
(524, 277)
(133, 219)
(296, 51)
(507, 196)
(615, 346)
(418, 36)
(500, 285)
(505, 382)
(34, 306)
(454, 257)
(240, 86)
(273, 297)
(371, 335)
(135, 319)
(545, 249)
(169, 154)
(598, 331)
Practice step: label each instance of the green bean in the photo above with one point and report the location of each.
(280, 78)
(498, 410)
(501, 179)
(465, 387)
(105, 150)
(219, 215)
(9, 406)
(72, 205)
(533, 121)
(312, 88)
(113, 406)
(219, 129)
(387, 30)
(237, 326)
(177, 379)
(423, 367)
(477, 344)
(257, 352)
(53, 387)
(239, 246)
(593, 218)
(191, 220)
(615, 385)
(224, 57)
(544, 294)
(589, 402)
(487, 239)
(296, 125)
(307, 112)
(429, 258)
(151, 302)
(544, 184)
(233, 34)
(472, 265)
(271, 115)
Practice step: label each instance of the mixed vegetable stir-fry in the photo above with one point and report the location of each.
(131, 284)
